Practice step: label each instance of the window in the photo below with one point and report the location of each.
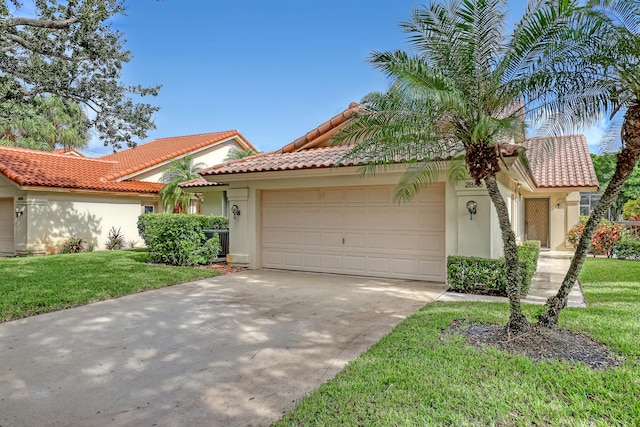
(588, 203)
(148, 209)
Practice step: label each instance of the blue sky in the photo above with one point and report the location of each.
(271, 69)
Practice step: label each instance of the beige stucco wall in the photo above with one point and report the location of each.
(51, 218)
(213, 202)
(210, 156)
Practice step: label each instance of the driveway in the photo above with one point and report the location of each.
(238, 350)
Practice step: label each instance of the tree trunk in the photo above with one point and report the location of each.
(626, 161)
(518, 323)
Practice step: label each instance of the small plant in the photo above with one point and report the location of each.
(132, 243)
(604, 239)
(90, 247)
(115, 240)
(73, 245)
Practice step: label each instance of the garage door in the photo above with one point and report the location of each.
(6, 225)
(355, 230)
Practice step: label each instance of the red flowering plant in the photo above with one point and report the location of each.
(604, 239)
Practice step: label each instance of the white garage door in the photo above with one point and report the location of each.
(6, 225)
(355, 230)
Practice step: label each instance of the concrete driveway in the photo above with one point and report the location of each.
(238, 349)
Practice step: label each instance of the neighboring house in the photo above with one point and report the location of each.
(298, 211)
(47, 197)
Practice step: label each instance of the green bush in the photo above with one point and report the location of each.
(485, 275)
(178, 239)
(628, 248)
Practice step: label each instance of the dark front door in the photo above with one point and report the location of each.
(536, 220)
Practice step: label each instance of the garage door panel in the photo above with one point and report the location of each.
(355, 264)
(357, 230)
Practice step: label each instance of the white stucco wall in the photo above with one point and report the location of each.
(51, 218)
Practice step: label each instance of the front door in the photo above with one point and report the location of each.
(536, 220)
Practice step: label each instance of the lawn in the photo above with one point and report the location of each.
(418, 375)
(34, 285)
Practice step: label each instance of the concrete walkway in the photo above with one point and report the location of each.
(552, 267)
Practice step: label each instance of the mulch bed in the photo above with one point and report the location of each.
(223, 267)
(539, 343)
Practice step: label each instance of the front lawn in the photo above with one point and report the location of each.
(418, 375)
(35, 285)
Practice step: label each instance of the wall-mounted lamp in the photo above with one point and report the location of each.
(472, 206)
(235, 211)
(19, 212)
(558, 205)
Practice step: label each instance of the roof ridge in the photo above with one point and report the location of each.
(306, 141)
(194, 134)
(50, 153)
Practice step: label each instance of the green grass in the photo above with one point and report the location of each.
(34, 285)
(417, 376)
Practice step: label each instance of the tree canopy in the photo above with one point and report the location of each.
(605, 166)
(69, 50)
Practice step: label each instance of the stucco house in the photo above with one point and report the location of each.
(302, 208)
(45, 197)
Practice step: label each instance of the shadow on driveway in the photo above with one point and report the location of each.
(238, 349)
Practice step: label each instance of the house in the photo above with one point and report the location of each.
(47, 197)
(303, 208)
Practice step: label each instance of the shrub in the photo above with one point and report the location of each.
(485, 275)
(628, 248)
(72, 245)
(178, 239)
(631, 209)
(604, 239)
(115, 240)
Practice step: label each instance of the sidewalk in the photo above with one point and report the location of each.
(552, 267)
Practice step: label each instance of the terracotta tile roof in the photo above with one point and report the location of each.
(199, 182)
(69, 152)
(154, 152)
(566, 162)
(313, 158)
(561, 162)
(312, 138)
(31, 168)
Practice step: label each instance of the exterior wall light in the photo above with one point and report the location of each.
(472, 207)
(19, 212)
(235, 211)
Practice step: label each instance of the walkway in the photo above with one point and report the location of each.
(552, 266)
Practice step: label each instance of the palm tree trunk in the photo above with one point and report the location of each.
(518, 323)
(625, 163)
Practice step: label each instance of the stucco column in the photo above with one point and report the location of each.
(238, 226)
(31, 226)
(572, 213)
(474, 235)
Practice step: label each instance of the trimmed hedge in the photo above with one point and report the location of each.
(178, 239)
(628, 249)
(486, 275)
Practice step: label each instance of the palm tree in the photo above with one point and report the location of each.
(469, 88)
(50, 123)
(172, 196)
(614, 26)
(237, 153)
